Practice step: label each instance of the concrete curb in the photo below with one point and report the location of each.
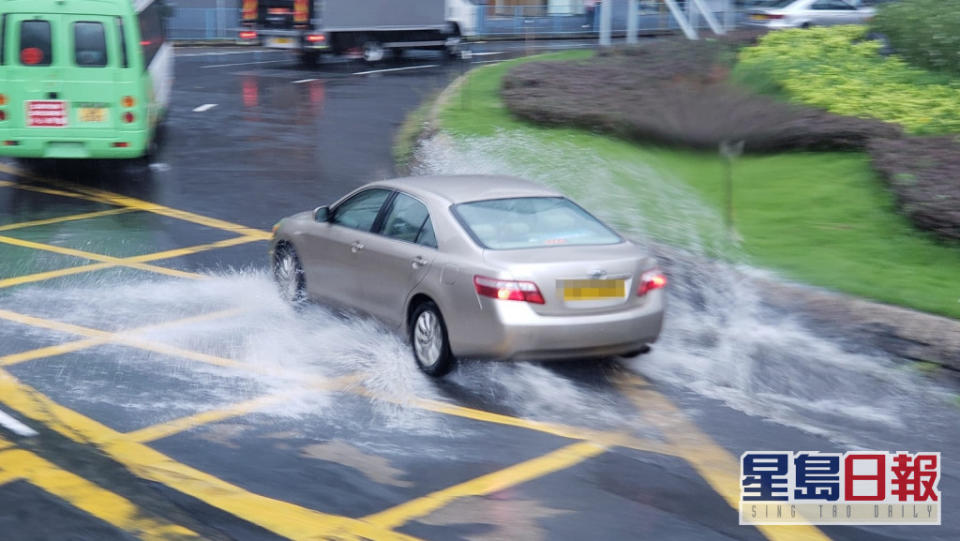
(899, 331)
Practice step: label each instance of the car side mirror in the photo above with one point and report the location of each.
(321, 214)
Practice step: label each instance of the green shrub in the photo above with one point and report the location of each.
(837, 69)
(924, 32)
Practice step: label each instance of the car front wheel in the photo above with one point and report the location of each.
(428, 339)
(289, 275)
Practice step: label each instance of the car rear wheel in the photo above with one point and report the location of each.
(428, 339)
(288, 273)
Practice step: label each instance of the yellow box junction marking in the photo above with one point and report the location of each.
(105, 505)
(715, 464)
(71, 218)
(561, 459)
(280, 517)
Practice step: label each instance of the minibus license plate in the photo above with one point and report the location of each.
(92, 114)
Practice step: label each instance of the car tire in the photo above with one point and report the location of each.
(429, 341)
(288, 273)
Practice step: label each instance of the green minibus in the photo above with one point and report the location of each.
(82, 78)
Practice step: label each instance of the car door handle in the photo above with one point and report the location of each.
(418, 262)
(357, 246)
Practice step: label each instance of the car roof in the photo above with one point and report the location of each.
(464, 188)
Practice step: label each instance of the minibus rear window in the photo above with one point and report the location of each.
(90, 44)
(35, 43)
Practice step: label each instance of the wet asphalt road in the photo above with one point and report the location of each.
(170, 406)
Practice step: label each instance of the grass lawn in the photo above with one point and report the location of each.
(821, 218)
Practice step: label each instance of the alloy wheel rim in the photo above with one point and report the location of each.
(428, 339)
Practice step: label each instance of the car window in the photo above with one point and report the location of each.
(35, 45)
(532, 222)
(427, 237)
(405, 219)
(90, 44)
(831, 4)
(360, 211)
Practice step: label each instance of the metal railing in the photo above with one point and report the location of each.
(493, 20)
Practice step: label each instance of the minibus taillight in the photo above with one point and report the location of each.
(128, 117)
(3, 100)
(248, 34)
(3, 115)
(121, 144)
(128, 101)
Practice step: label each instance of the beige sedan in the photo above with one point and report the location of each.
(475, 266)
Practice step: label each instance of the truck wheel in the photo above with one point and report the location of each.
(372, 51)
(452, 47)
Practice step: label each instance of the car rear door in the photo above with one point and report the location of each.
(398, 259)
(833, 12)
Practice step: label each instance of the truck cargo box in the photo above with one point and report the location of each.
(343, 15)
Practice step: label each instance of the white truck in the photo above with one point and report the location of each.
(367, 28)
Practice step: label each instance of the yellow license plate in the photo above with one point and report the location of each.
(587, 290)
(282, 41)
(758, 17)
(92, 114)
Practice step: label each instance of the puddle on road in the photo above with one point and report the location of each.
(719, 340)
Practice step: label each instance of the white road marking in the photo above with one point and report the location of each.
(225, 53)
(242, 64)
(16, 426)
(301, 81)
(489, 53)
(204, 108)
(489, 61)
(420, 67)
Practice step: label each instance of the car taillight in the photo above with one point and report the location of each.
(248, 34)
(774, 15)
(128, 117)
(650, 280)
(315, 38)
(508, 290)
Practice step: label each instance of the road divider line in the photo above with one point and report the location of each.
(390, 70)
(283, 518)
(49, 275)
(494, 61)
(718, 467)
(96, 257)
(14, 425)
(561, 459)
(302, 81)
(107, 506)
(113, 199)
(71, 218)
(204, 108)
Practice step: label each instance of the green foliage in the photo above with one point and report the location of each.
(925, 32)
(837, 69)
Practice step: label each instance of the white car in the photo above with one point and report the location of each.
(806, 13)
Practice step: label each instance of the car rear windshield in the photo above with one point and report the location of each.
(90, 44)
(35, 45)
(531, 222)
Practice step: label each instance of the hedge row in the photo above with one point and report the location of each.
(674, 92)
(925, 32)
(924, 173)
(839, 70)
